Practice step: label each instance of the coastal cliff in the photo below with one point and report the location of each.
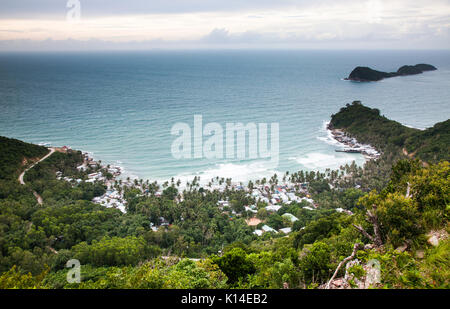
(366, 74)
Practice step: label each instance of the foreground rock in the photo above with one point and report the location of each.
(370, 279)
(366, 74)
(435, 237)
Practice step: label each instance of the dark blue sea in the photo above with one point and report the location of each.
(121, 106)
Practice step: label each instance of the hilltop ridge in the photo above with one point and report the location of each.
(15, 153)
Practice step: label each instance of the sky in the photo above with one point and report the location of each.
(184, 24)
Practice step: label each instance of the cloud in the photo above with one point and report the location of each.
(45, 8)
(231, 24)
(221, 38)
(217, 35)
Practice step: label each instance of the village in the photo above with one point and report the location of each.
(267, 198)
(274, 200)
(101, 174)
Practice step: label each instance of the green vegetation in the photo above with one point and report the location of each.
(368, 126)
(15, 155)
(394, 210)
(431, 145)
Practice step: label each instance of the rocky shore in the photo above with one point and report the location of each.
(351, 145)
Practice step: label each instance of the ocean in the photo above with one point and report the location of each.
(121, 106)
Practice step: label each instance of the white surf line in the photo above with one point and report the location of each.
(38, 197)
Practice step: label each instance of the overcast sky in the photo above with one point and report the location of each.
(144, 24)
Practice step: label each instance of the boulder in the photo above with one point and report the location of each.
(420, 254)
(402, 248)
(434, 237)
(433, 240)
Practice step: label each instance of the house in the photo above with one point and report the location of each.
(223, 203)
(81, 168)
(273, 208)
(293, 197)
(258, 232)
(250, 209)
(94, 175)
(267, 228)
(163, 221)
(348, 212)
(290, 217)
(284, 197)
(264, 199)
(255, 193)
(65, 149)
(253, 221)
(114, 171)
(285, 230)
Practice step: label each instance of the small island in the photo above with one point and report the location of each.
(366, 74)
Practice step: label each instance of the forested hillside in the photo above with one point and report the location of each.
(393, 212)
(368, 126)
(15, 154)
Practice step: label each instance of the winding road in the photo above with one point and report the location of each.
(36, 195)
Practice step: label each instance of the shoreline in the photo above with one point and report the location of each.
(351, 144)
(114, 195)
(345, 142)
(274, 195)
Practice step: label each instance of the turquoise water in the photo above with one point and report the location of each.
(121, 106)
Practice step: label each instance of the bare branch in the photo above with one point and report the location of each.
(373, 219)
(408, 191)
(351, 257)
(363, 231)
(376, 227)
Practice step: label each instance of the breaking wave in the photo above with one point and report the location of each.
(321, 161)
